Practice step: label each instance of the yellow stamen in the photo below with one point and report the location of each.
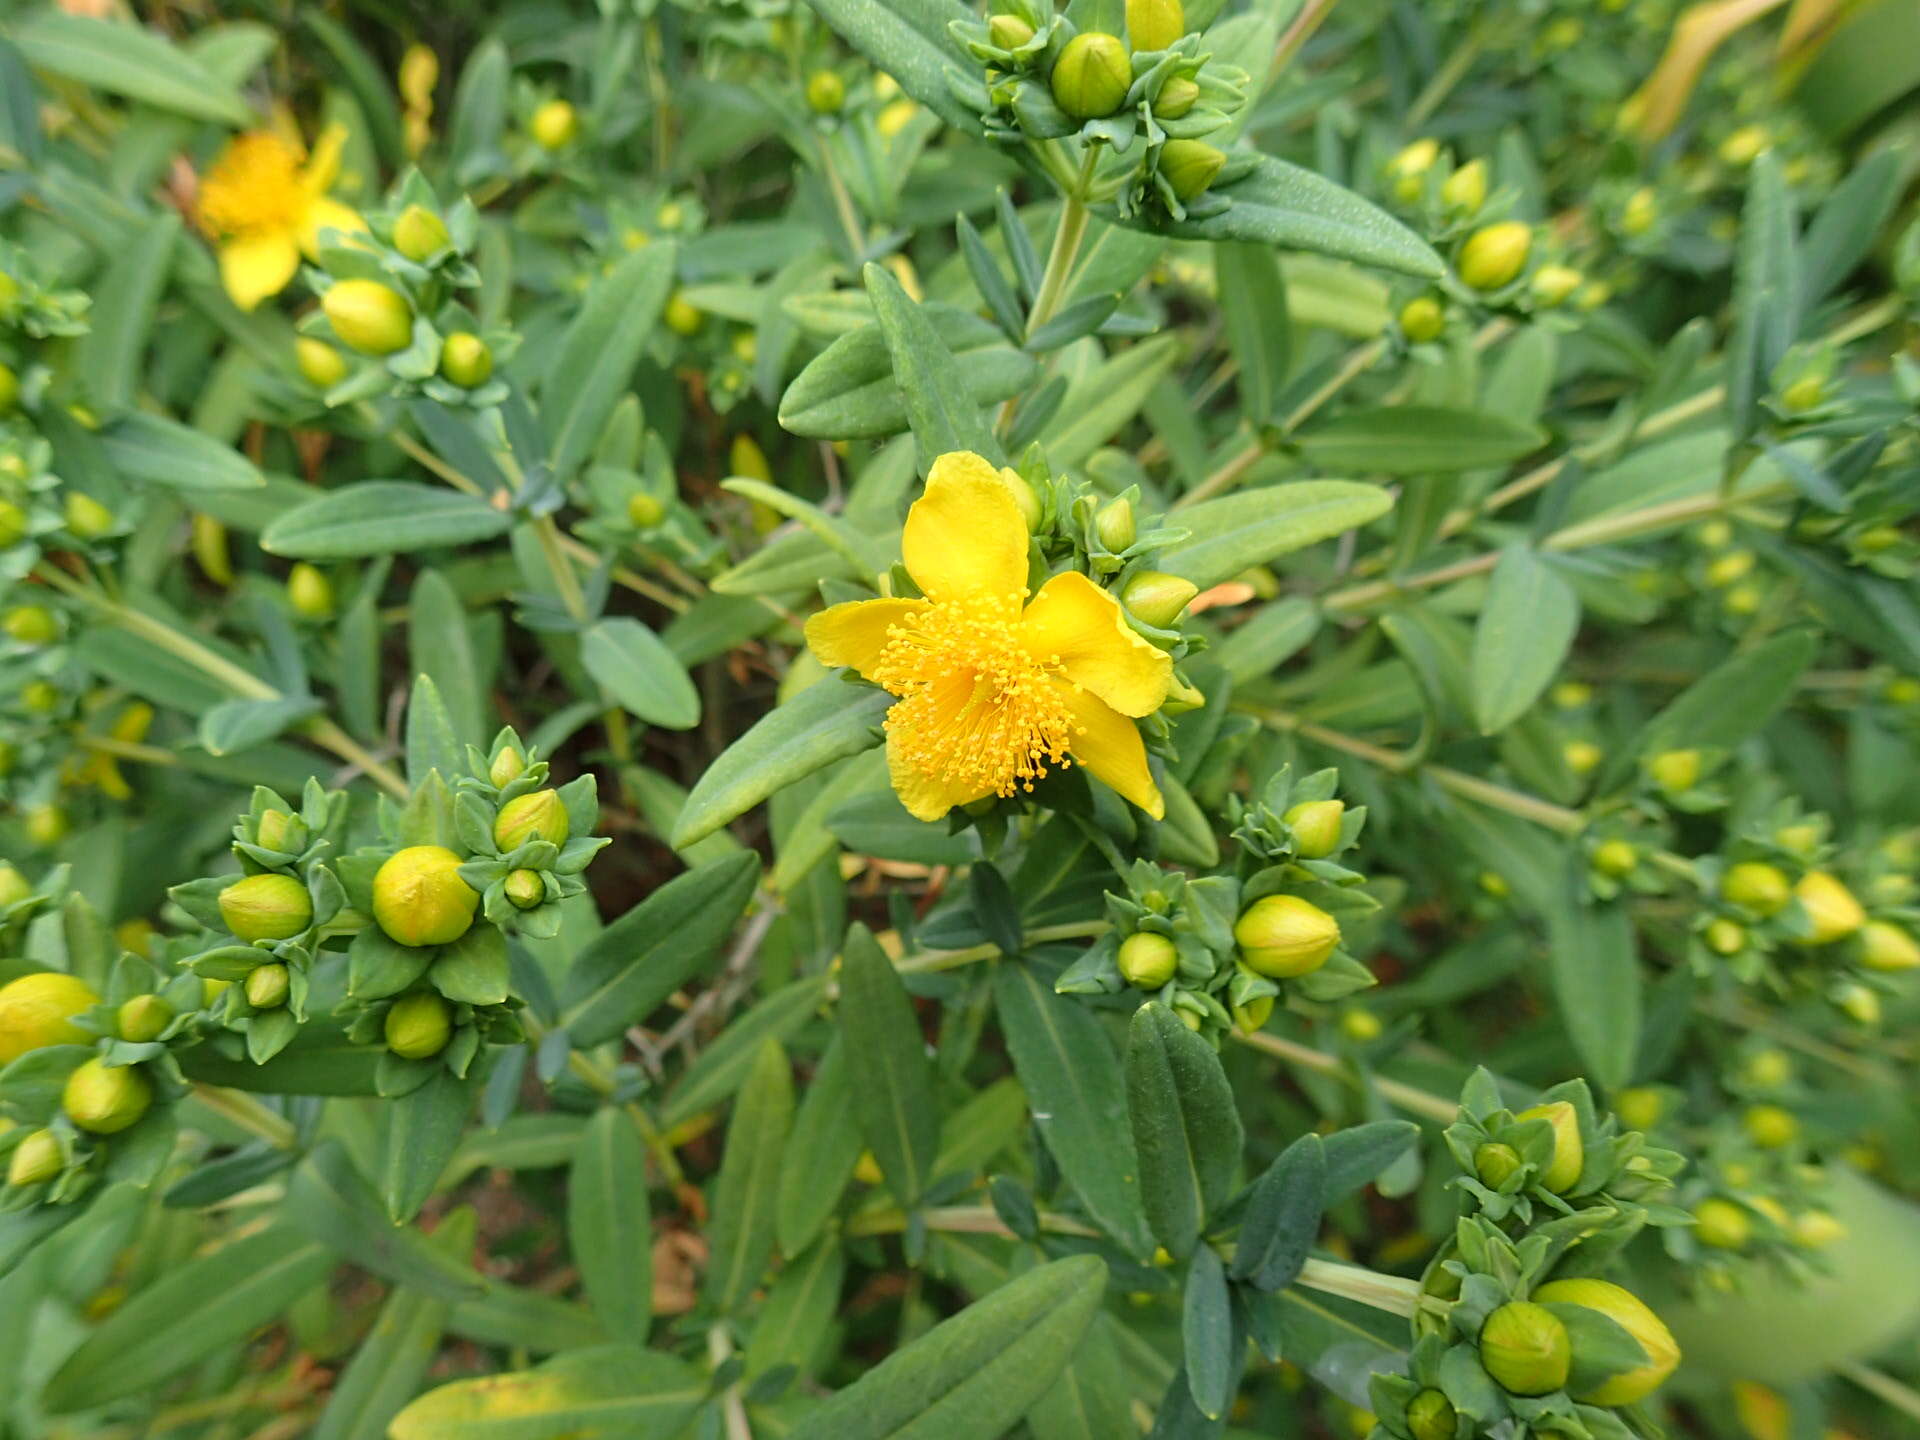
(256, 186)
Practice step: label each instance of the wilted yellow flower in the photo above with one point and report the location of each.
(995, 689)
(264, 202)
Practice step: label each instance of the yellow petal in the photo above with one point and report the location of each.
(1109, 745)
(325, 214)
(965, 535)
(855, 633)
(258, 267)
(925, 797)
(1074, 623)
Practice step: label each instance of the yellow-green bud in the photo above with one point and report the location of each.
(1431, 1416)
(141, 1019)
(9, 387)
(1190, 166)
(525, 889)
(31, 625)
(1770, 1127)
(13, 524)
(1722, 1224)
(1466, 188)
(465, 360)
(1316, 827)
(36, 1159)
(309, 591)
(1092, 75)
(1830, 906)
(86, 517)
(1727, 568)
(266, 987)
(321, 366)
(1148, 960)
(1178, 96)
(1627, 1311)
(506, 767)
(1524, 1347)
(1768, 1070)
(1422, 319)
(1284, 937)
(1744, 145)
(418, 1026)
(1552, 284)
(1155, 24)
(274, 831)
(1360, 1025)
(1617, 858)
(420, 899)
(1801, 839)
(1887, 948)
(419, 233)
(540, 815)
(826, 92)
(1641, 210)
(1252, 1015)
(1409, 168)
(1113, 523)
(1861, 1005)
(372, 318)
(1009, 32)
(1024, 497)
(1724, 937)
(683, 317)
(556, 124)
(1569, 1151)
(38, 1010)
(14, 886)
(1494, 884)
(1675, 771)
(644, 511)
(1639, 1107)
(1494, 255)
(1494, 1163)
(1582, 757)
(1816, 1230)
(104, 1100)
(266, 907)
(1157, 598)
(47, 825)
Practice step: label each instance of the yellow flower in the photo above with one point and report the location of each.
(996, 689)
(264, 202)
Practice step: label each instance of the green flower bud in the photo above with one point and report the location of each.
(86, 517)
(1830, 906)
(13, 524)
(419, 233)
(1801, 839)
(1816, 1230)
(683, 317)
(826, 92)
(1553, 284)
(104, 1100)
(1190, 166)
(1252, 1015)
(309, 592)
(1494, 256)
(1722, 1224)
(274, 831)
(1524, 1347)
(321, 366)
(33, 625)
(1316, 827)
(1409, 168)
(1771, 1127)
(267, 987)
(1155, 24)
(1422, 319)
(1726, 938)
(540, 815)
(1639, 1107)
(141, 1019)
(418, 1025)
(1494, 1163)
(420, 899)
(1861, 1004)
(1569, 1152)
(372, 318)
(1617, 858)
(1113, 523)
(1431, 1416)
(1176, 98)
(1466, 188)
(1888, 948)
(266, 907)
(1157, 598)
(643, 511)
(1641, 210)
(13, 885)
(35, 1159)
(506, 767)
(1284, 937)
(465, 360)
(1627, 1311)
(1148, 960)
(1675, 771)
(1730, 567)
(1360, 1025)
(47, 825)
(1767, 1069)
(38, 1010)
(525, 889)
(1582, 757)
(555, 125)
(1009, 32)
(1091, 78)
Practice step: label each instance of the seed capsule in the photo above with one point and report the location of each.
(420, 899)
(1148, 960)
(1525, 1348)
(104, 1100)
(266, 907)
(1284, 937)
(418, 1026)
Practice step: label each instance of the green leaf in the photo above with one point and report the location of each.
(892, 1077)
(431, 742)
(440, 646)
(867, 554)
(1236, 532)
(512, 1318)
(611, 1392)
(160, 451)
(634, 964)
(1594, 965)
(1765, 293)
(480, 110)
(382, 517)
(320, 1061)
(236, 725)
(799, 1311)
(1521, 639)
(909, 40)
(112, 352)
(1282, 1218)
(1107, 398)
(200, 1306)
(1206, 1333)
(941, 408)
(596, 358)
(608, 1229)
(329, 1201)
(823, 723)
(1186, 1129)
(1090, 1399)
(973, 1376)
(1416, 440)
(745, 1197)
(822, 1154)
(129, 61)
(1076, 1088)
(422, 1132)
(1731, 702)
(1253, 302)
(632, 665)
(1359, 1153)
(722, 1067)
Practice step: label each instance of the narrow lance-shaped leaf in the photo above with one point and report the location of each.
(887, 1059)
(1186, 1128)
(1525, 628)
(1283, 1216)
(746, 1195)
(607, 1224)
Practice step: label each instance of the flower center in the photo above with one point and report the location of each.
(254, 187)
(977, 713)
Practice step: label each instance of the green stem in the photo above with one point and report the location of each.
(959, 1220)
(1884, 1387)
(1410, 1098)
(1444, 80)
(925, 961)
(564, 580)
(1067, 236)
(240, 1108)
(1396, 1294)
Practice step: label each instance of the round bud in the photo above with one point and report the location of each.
(1721, 1224)
(1569, 1151)
(419, 233)
(1617, 858)
(1582, 757)
(266, 987)
(1466, 188)
(33, 625)
(47, 825)
(1830, 906)
(540, 815)
(1316, 827)
(1861, 1005)
(38, 1010)
(465, 360)
(1641, 210)
(1886, 947)
(1572, 694)
(1801, 839)
(141, 1020)
(86, 517)
(506, 767)
(683, 317)
(1431, 1416)
(1494, 883)
(1190, 166)
(274, 831)
(1770, 1126)
(420, 899)
(1816, 1230)
(1494, 1163)
(1360, 1025)
(1675, 771)
(1091, 78)
(35, 1159)
(1639, 1107)
(1727, 568)
(1494, 255)
(1148, 960)
(1627, 1311)
(1155, 24)
(1553, 284)
(372, 318)
(419, 1025)
(13, 524)
(1157, 598)
(1724, 937)
(1409, 168)
(309, 591)
(1422, 319)
(1524, 1347)
(826, 92)
(1767, 1070)
(1176, 98)
(321, 366)
(266, 907)
(1744, 145)
(1113, 523)
(1252, 1015)
(1009, 32)
(555, 125)
(525, 889)
(643, 511)
(1284, 937)
(14, 886)
(104, 1100)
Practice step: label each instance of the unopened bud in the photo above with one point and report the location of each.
(1024, 497)
(274, 831)
(1155, 24)
(420, 899)
(1190, 165)
(1767, 1070)
(418, 1026)
(1176, 98)
(1285, 937)
(1569, 1151)
(321, 366)
(142, 1019)
(1816, 1230)
(1617, 858)
(1009, 32)
(1639, 1107)
(1157, 598)
(506, 767)
(1495, 1163)
(1801, 839)
(1626, 1310)
(644, 511)
(14, 887)
(38, 1010)
(1582, 757)
(540, 815)
(1721, 1224)
(47, 825)
(309, 591)
(1770, 1127)
(419, 233)
(9, 384)
(466, 360)
(525, 889)
(267, 987)
(1727, 568)
(35, 1159)
(266, 907)
(1113, 524)
(1886, 947)
(826, 92)
(1524, 1347)
(13, 524)
(1675, 771)
(1148, 960)
(1409, 168)
(683, 317)
(1316, 826)
(1830, 906)
(1422, 319)
(1431, 1416)
(86, 517)
(1724, 937)
(1494, 256)
(1860, 1004)
(555, 125)
(104, 1100)
(372, 318)
(1552, 284)
(1641, 210)
(33, 625)
(1466, 188)
(1091, 78)
(1360, 1025)
(1251, 1015)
